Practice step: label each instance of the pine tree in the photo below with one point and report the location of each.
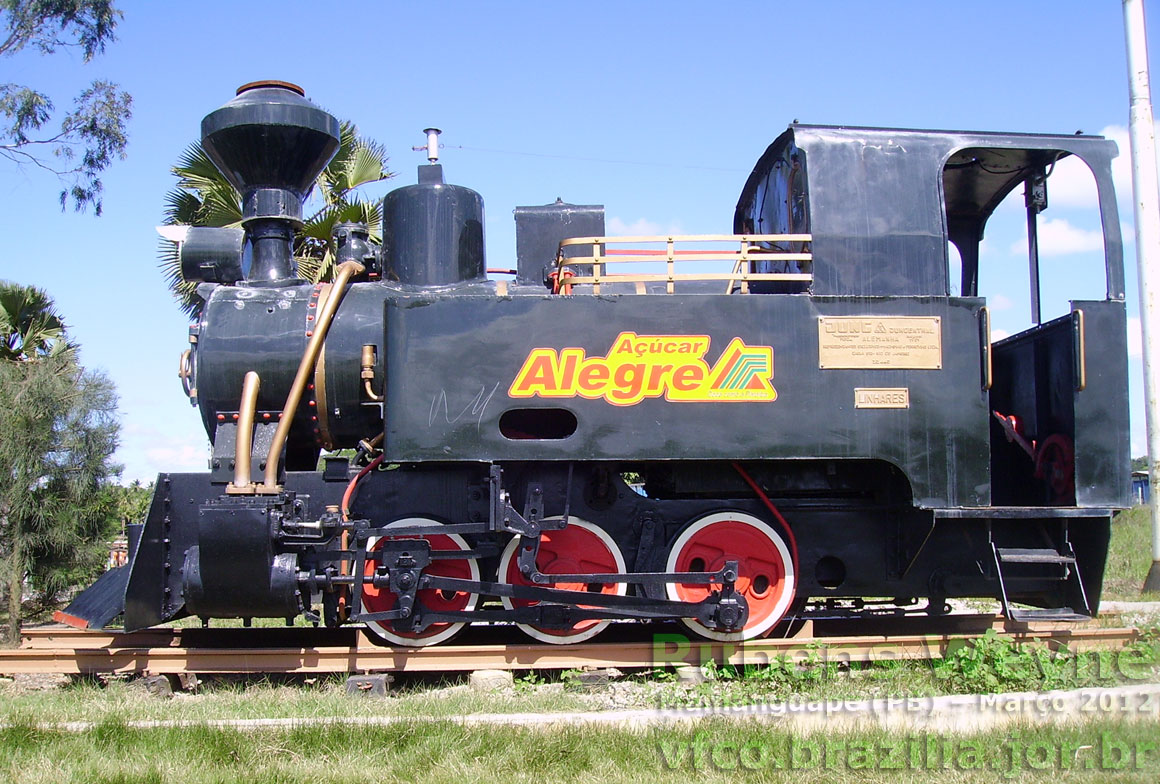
(58, 432)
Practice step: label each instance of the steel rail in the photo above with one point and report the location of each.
(305, 650)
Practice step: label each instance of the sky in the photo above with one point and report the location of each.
(658, 110)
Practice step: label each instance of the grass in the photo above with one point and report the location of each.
(119, 701)
(427, 745)
(716, 751)
(1130, 556)
(990, 665)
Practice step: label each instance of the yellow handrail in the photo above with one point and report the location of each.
(750, 248)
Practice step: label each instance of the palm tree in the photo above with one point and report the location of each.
(203, 197)
(30, 328)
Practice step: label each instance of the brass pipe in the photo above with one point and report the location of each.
(372, 444)
(322, 407)
(185, 372)
(368, 372)
(374, 398)
(243, 481)
(346, 271)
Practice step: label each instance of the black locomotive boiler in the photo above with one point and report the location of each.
(726, 430)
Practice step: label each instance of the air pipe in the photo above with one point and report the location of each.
(346, 271)
(243, 481)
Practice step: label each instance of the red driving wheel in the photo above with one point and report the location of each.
(382, 599)
(581, 548)
(765, 569)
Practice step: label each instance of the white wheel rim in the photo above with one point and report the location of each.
(383, 630)
(584, 634)
(788, 589)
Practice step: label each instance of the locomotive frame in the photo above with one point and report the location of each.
(895, 452)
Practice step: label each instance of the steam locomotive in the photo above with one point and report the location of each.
(604, 438)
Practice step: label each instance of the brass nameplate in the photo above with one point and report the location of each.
(871, 342)
(882, 398)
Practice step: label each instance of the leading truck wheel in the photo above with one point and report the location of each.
(580, 548)
(765, 569)
(381, 599)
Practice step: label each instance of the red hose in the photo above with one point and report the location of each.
(773, 509)
(343, 590)
(346, 496)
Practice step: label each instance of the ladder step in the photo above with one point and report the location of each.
(1053, 614)
(1066, 573)
(1033, 555)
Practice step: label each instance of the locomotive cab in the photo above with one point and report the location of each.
(923, 191)
(1054, 394)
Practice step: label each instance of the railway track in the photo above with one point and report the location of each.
(308, 650)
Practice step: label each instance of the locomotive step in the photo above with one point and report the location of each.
(1020, 560)
(1048, 614)
(1033, 555)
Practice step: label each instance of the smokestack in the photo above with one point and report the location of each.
(271, 144)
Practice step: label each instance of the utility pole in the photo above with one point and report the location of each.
(1146, 210)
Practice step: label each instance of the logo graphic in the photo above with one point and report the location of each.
(640, 366)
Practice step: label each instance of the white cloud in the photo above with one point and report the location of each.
(148, 448)
(145, 464)
(1000, 302)
(1072, 184)
(1058, 237)
(1012, 204)
(999, 334)
(641, 226)
(178, 458)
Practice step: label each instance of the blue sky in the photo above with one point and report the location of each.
(657, 110)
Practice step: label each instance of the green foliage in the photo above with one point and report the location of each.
(1129, 556)
(802, 671)
(993, 663)
(529, 681)
(57, 571)
(359, 161)
(92, 134)
(128, 504)
(988, 664)
(1140, 463)
(29, 326)
(58, 431)
(203, 197)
